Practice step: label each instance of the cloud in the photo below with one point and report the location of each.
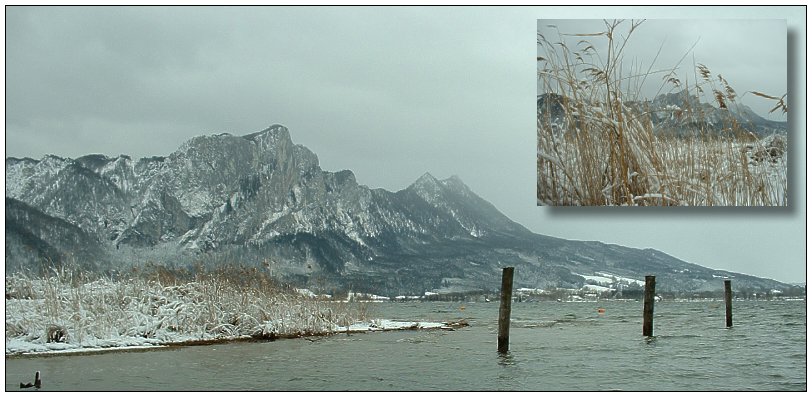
(389, 93)
(751, 54)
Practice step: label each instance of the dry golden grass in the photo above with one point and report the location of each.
(604, 151)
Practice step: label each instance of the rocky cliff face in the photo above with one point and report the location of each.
(260, 198)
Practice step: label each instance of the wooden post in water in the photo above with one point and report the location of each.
(728, 304)
(503, 339)
(648, 307)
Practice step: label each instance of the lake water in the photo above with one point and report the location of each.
(553, 346)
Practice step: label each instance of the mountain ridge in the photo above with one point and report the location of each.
(679, 113)
(259, 198)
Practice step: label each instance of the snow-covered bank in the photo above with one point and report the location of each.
(62, 314)
(21, 347)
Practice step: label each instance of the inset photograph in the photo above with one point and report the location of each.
(662, 112)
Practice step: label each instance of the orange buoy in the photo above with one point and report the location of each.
(601, 310)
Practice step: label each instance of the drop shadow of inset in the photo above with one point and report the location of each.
(793, 185)
(776, 212)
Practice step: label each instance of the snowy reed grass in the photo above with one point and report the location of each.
(606, 151)
(161, 305)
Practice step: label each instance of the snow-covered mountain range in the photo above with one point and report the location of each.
(261, 200)
(679, 113)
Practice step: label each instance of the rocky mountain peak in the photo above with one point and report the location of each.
(427, 187)
(456, 183)
(274, 132)
(426, 179)
(681, 99)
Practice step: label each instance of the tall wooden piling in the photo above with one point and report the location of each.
(504, 310)
(728, 304)
(648, 307)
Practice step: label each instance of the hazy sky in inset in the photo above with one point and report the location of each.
(751, 54)
(389, 93)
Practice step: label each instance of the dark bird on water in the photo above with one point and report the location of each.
(37, 382)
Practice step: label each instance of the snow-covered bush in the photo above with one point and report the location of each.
(159, 307)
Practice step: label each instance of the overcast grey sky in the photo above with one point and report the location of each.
(388, 93)
(751, 54)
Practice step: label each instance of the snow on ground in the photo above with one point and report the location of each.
(136, 313)
(390, 325)
(19, 345)
(602, 278)
(361, 296)
(16, 346)
(597, 288)
(597, 279)
(530, 291)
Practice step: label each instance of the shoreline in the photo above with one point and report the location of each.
(357, 328)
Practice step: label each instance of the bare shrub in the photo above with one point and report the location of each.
(163, 304)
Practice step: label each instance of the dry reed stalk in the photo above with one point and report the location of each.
(599, 151)
(225, 303)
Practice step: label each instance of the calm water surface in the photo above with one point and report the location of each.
(553, 346)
